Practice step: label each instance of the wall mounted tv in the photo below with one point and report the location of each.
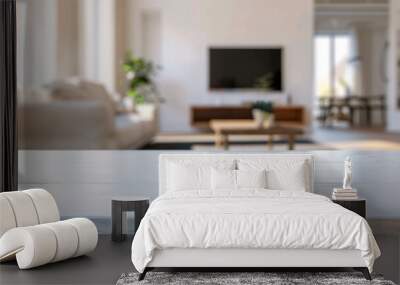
(246, 68)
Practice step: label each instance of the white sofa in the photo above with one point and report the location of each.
(31, 231)
(79, 114)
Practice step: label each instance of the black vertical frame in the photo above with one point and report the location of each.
(8, 98)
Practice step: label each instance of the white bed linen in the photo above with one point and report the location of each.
(250, 219)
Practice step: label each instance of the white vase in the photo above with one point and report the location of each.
(269, 120)
(127, 103)
(263, 119)
(258, 117)
(146, 110)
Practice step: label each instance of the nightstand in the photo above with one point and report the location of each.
(121, 205)
(358, 206)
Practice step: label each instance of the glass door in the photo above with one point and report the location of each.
(334, 65)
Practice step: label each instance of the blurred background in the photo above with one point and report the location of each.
(132, 74)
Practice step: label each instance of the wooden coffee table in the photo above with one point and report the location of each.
(223, 128)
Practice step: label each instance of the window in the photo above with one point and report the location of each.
(334, 65)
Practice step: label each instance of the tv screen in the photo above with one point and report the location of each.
(245, 68)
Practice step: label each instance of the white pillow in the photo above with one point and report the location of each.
(226, 179)
(187, 177)
(223, 179)
(193, 175)
(282, 174)
(251, 179)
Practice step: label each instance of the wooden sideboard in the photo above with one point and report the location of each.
(202, 115)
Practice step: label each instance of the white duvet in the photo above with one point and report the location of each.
(250, 219)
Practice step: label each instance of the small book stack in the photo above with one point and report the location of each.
(344, 194)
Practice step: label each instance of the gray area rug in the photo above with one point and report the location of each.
(269, 278)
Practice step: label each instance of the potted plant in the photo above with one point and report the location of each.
(139, 73)
(262, 113)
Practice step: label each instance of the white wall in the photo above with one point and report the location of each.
(394, 53)
(190, 27)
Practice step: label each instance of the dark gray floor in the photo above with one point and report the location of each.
(111, 259)
(103, 266)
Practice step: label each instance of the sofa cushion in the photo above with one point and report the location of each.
(23, 208)
(76, 89)
(67, 240)
(95, 90)
(45, 205)
(7, 215)
(66, 90)
(37, 95)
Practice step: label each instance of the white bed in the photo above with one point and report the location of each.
(193, 224)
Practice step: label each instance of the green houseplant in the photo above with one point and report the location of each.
(262, 113)
(139, 74)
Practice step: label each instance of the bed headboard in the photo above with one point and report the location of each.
(164, 159)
